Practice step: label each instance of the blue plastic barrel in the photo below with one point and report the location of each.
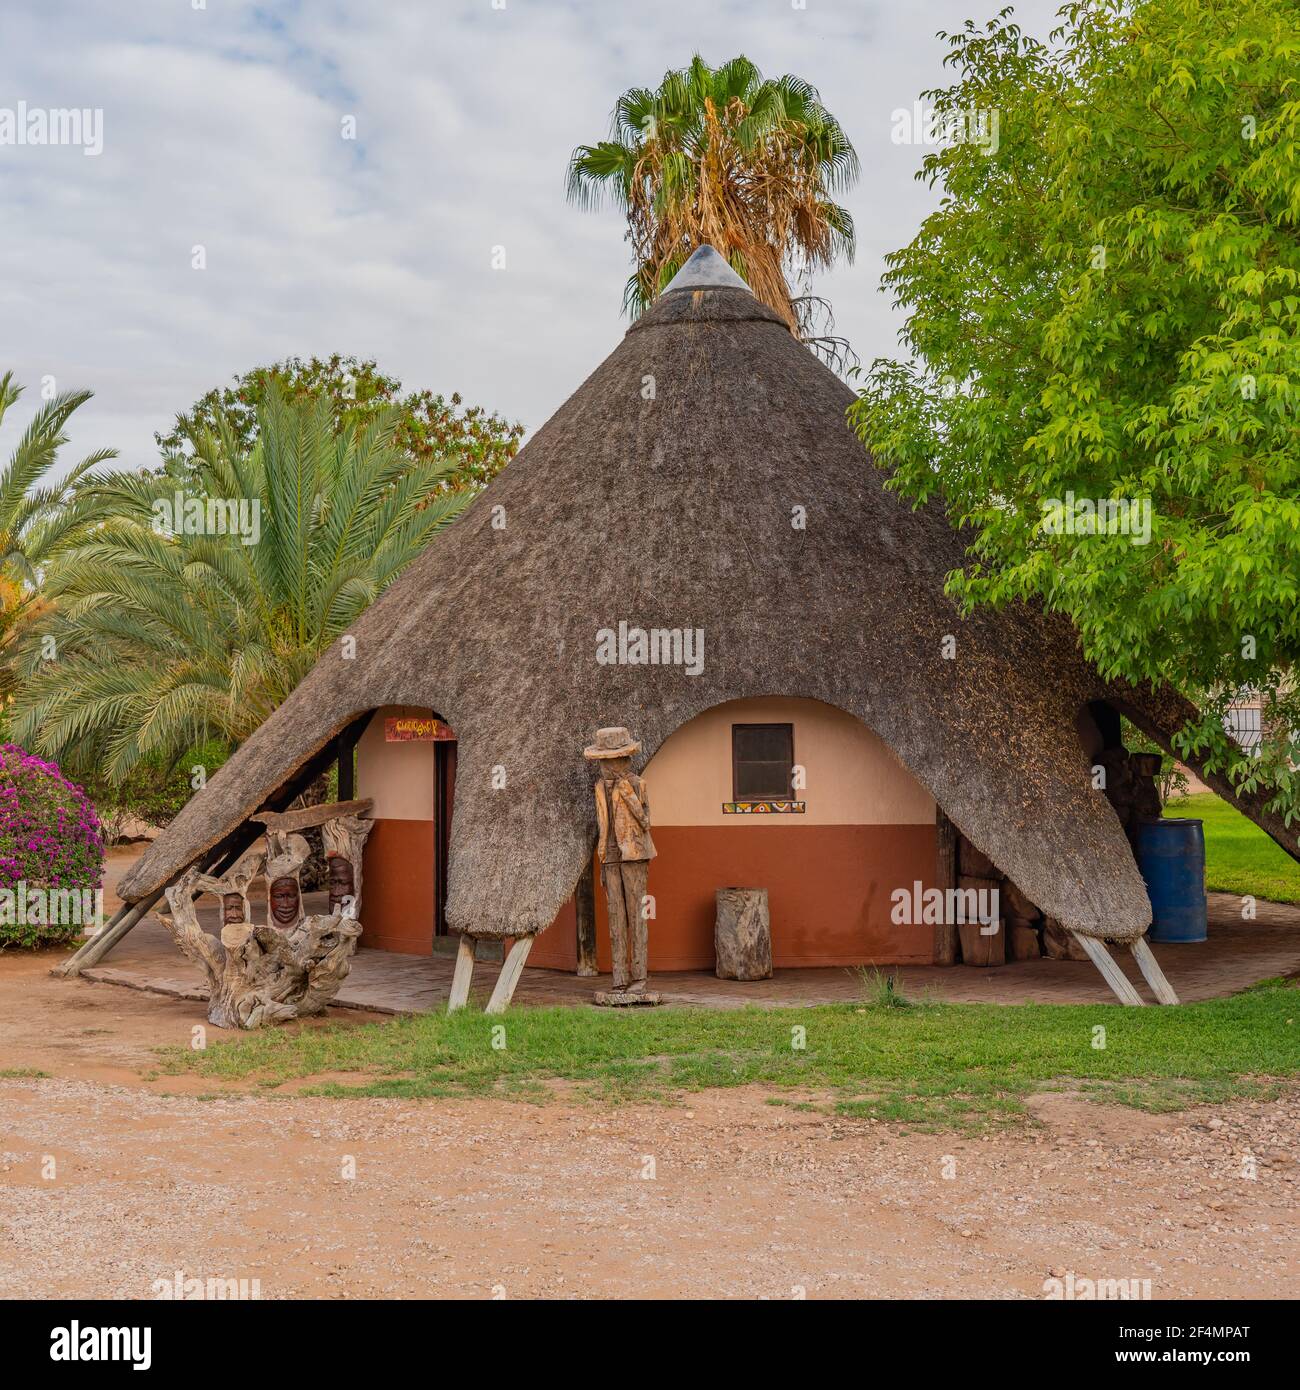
(1171, 856)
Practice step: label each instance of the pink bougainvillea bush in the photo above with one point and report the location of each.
(51, 852)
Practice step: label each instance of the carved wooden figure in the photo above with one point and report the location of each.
(232, 886)
(625, 850)
(345, 840)
(286, 854)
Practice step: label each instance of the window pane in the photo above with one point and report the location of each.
(763, 756)
(762, 781)
(763, 743)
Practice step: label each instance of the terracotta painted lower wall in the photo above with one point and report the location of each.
(397, 898)
(829, 890)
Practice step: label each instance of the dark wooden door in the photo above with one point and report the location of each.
(443, 795)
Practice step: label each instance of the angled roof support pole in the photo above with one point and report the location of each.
(91, 952)
(511, 969)
(1111, 973)
(504, 989)
(1151, 972)
(463, 974)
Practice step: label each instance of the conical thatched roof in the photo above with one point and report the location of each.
(663, 493)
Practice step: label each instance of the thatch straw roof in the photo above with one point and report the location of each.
(662, 493)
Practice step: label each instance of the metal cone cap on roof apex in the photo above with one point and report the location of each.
(706, 270)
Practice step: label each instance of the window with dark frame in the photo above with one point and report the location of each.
(762, 761)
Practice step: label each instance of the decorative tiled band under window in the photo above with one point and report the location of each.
(764, 808)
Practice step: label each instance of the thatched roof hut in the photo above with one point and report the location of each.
(668, 491)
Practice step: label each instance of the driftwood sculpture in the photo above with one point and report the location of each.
(260, 974)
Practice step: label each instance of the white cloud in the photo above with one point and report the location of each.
(222, 128)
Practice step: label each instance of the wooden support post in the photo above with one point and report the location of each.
(1152, 973)
(584, 909)
(945, 878)
(1111, 972)
(93, 951)
(347, 745)
(463, 973)
(509, 976)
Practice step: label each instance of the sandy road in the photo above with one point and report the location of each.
(721, 1195)
(472, 1198)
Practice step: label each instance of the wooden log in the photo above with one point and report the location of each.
(307, 816)
(742, 934)
(325, 944)
(344, 837)
(980, 949)
(1059, 944)
(504, 990)
(584, 907)
(1110, 972)
(975, 862)
(945, 878)
(463, 973)
(1152, 973)
(1022, 941)
(1016, 904)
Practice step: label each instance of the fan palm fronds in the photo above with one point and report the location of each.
(724, 156)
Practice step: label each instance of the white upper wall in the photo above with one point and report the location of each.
(398, 776)
(853, 778)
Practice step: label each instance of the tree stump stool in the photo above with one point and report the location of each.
(742, 934)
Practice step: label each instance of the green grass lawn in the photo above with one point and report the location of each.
(1239, 857)
(966, 1066)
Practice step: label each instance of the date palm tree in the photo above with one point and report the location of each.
(36, 521)
(170, 632)
(725, 156)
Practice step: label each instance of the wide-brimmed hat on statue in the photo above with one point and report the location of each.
(612, 743)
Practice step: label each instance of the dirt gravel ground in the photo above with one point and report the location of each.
(110, 1182)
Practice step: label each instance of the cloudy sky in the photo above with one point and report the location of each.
(223, 128)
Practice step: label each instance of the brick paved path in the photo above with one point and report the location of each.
(1237, 954)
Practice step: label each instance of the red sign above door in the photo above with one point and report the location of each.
(416, 729)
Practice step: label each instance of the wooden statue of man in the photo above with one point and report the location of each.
(625, 850)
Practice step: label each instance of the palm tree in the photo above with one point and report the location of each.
(166, 639)
(724, 156)
(36, 521)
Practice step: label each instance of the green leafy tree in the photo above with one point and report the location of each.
(724, 156)
(430, 427)
(35, 521)
(1108, 308)
(172, 629)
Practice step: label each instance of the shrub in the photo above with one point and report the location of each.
(154, 791)
(50, 842)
